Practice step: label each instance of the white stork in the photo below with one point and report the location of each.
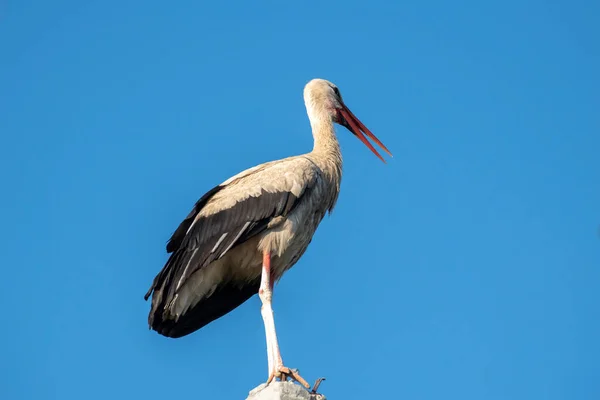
(243, 234)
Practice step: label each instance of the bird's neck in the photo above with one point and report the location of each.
(326, 143)
(326, 150)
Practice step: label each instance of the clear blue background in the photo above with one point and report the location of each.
(466, 268)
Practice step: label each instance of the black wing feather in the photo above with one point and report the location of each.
(179, 233)
(203, 244)
(206, 233)
(225, 299)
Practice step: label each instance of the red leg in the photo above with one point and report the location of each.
(266, 293)
(276, 368)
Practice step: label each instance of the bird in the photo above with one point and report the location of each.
(242, 235)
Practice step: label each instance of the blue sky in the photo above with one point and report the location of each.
(465, 268)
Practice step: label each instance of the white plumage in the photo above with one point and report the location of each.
(243, 235)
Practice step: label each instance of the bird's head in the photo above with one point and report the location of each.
(324, 100)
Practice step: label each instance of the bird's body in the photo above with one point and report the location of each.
(243, 235)
(290, 198)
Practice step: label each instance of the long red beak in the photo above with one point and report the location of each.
(355, 126)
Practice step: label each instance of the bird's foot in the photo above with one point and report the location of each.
(283, 373)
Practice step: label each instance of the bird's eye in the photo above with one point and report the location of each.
(336, 91)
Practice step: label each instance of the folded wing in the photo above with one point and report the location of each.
(225, 217)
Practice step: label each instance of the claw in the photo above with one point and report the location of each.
(285, 372)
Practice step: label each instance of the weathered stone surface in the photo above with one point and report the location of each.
(282, 391)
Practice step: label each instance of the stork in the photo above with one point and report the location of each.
(244, 234)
